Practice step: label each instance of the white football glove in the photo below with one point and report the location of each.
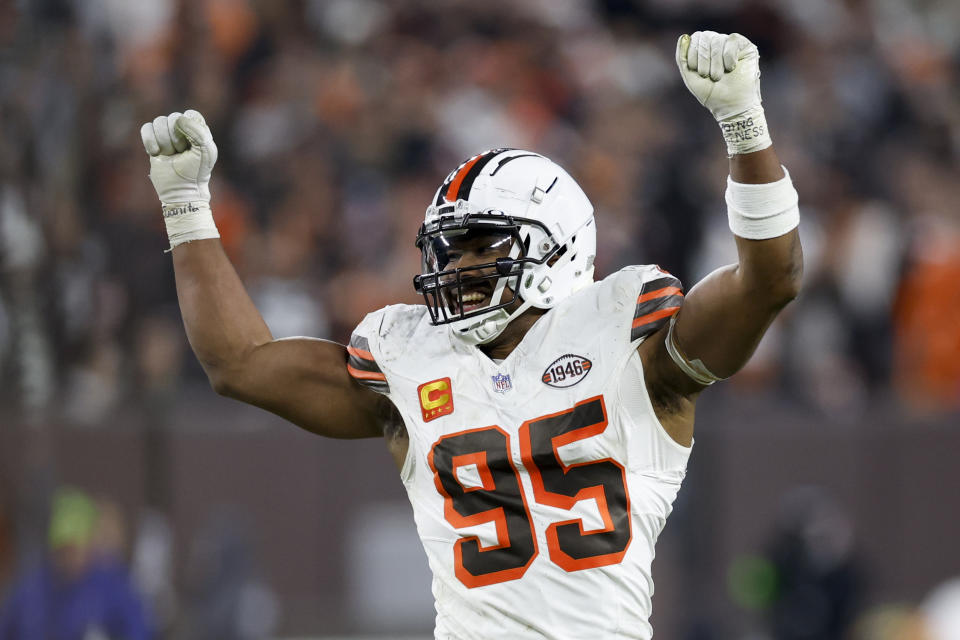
(723, 72)
(182, 154)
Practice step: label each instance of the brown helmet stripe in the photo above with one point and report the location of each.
(466, 183)
(460, 184)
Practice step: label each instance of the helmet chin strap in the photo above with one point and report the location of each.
(490, 325)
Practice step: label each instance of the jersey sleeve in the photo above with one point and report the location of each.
(361, 363)
(659, 297)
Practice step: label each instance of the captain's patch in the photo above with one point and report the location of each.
(566, 371)
(436, 399)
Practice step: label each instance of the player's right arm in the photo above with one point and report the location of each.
(722, 319)
(301, 379)
(304, 380)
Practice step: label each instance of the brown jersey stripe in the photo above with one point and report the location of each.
(660, 283)
(651, 323)
(659, 293)
(652, 305)
(361, 361)
(364, 365)
(655, 315)
(379, 387)
(366, 375)
(659, 299)
(360, 353)
(359, 343)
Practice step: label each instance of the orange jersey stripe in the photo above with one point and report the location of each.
(458, 179)
(360, 353)
(660, 293)
(655, 315)
(365, 375)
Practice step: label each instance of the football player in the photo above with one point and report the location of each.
(541, 421)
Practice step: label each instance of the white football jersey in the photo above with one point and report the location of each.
(539, 484)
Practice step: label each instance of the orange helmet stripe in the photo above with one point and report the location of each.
(458, 179)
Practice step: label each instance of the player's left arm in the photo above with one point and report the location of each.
(726, 314)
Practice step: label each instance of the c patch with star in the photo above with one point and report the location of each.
(436, 399)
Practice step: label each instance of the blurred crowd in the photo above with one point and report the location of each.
(809, 582)
(92, 576)
(336, 121)
(80, 587)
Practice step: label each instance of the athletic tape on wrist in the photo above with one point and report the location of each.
(746, 132)
(762, 211)
(189, 221)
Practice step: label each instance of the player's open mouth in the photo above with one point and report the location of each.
(475, 296)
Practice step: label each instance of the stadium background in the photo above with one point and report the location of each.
(823, 486)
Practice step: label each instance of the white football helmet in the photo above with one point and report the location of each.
(504, 221)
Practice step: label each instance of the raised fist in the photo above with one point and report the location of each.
(182, 155)
(723, 73)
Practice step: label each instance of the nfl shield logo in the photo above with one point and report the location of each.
(501, 383)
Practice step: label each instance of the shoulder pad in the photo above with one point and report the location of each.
(399, 324)
(361, 363)
(655, 295)
(381, 335)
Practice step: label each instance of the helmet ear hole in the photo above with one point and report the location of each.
(559, 254)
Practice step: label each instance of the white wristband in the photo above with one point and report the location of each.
(188, 221)
(762, 211)
(746, 132)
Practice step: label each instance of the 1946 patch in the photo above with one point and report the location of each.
(566, 371)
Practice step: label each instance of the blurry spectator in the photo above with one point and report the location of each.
(80, 590)
(941, 612)
(928, 306)
(6, 542)
(159, 355)
(152, 568)
(287, 297)
(343, 113)
(228, 601)
(808, 584)
(819, 582)
(937, 618)
(890, 623)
